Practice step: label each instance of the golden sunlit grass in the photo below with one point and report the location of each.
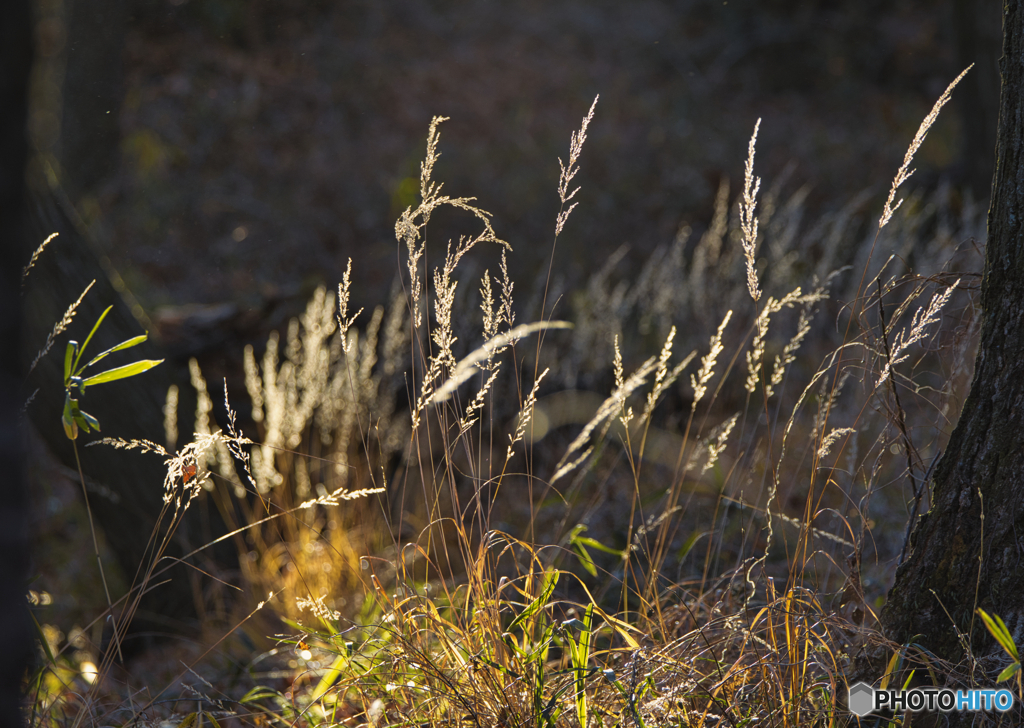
(702, 542)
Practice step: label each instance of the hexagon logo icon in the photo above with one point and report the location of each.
(861, 699)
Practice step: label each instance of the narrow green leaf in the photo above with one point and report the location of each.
(128, 370)
(1009, 672)
(76, 415)
(69, 353)
(68, 419)
(584, 556)
(126, 344)
(595, 544)
(550, 579)
(93, 422)
(88, 338)
(81, 422)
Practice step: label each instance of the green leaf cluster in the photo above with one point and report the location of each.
(74, 418)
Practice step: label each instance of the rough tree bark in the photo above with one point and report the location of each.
(15, 642)
(968, 550)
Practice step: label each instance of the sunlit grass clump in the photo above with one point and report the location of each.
(672, 498)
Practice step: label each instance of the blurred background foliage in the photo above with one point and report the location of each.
(233, 151)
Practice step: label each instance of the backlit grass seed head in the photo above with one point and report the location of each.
(627, 415)
(831, 438)
(253, 383)
(663, 376)
(204, 405)
(699, 381)
(507, 314)
(490, 320)
(756, 352)
(568, 171)
(408, 227)
(608, 408)
(712, 446)
(59, 328)
(788, 355)
(923, 318)
(748, 220)
(476, 406)
(344, 320)
(720, 435)
(171, 417)
(318, 607)
(904, 172)
(525, 415)
(470, 365)
(35, 256)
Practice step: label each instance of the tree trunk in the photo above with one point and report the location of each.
(968, 550)
(15, 642)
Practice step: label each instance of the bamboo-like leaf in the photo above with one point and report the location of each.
(128, 370)
(93, 422)
(81, 422)
(76, 415)
(68, 419)
(69, 354)
(88, 338)
(126, 344)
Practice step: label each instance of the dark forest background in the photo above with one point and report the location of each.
(234, 154)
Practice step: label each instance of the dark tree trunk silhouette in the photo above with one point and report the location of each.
(968, 550)
(15, 641)
(125, 488)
